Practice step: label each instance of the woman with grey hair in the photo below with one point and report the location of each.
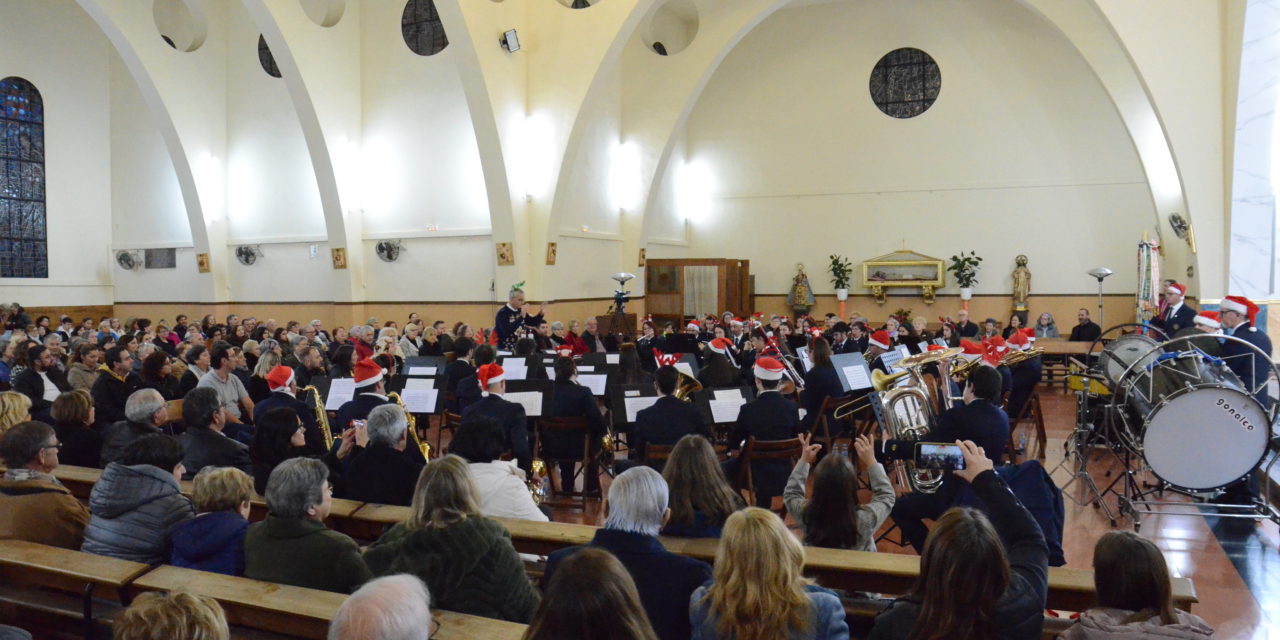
(466, 559)
(411, 342)
(292, 546)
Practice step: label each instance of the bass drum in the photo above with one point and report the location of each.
(1119, 354)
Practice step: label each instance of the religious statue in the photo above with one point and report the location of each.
(1021, 284)
(801, 297)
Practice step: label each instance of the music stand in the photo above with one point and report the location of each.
(439, 362)
(542, 387)
(618, 396)
(853, 371)
(703, 397)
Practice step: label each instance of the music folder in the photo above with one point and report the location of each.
(424, 366)
(688, 364)
(721, 406)
(629, 399)
(680, 343)
(853, 371)
(423, 395)
(535, 395)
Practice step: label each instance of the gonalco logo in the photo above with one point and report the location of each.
(1235, 414)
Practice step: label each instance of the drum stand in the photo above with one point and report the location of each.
(1077, 448)
(1133, 501)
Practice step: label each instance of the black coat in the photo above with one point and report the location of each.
(118, 436)
(771, 416)
(665, 422)
(205, 447)
(109, 397)
(81, 446)
(572, 400)
(167, 386)
(257, 389)
(315, 439)
(967, 330)
(382, 475)
(357, 408)
(1087, 332)
(609, 343)
(719, 374)
(30, 384)
(1024, 377)
(1251, 368)
(511, 416)
(1184, 318)
(453, 374)
(820, 383)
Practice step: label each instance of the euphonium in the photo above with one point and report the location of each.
(424, 447)
(322, 416)
(537, 471)
(1016, 357)
(688, 386)
(909, 415)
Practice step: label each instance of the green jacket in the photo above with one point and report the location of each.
(469, 567)
(303, 553)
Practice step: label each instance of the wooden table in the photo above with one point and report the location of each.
(1060, 347)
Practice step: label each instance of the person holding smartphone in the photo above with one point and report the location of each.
(981, 420)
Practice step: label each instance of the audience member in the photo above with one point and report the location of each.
(969, 586)
(41, 382)
(170, 616)
(667, 420)
(214, 540)
(466, 560)
(36, 507)
(232, 395)
(197, 368)
(292, 545)
(73, 421)
(1086, 330)
(500, 485)
(381, 472)
(665, 581)
(701, 497)
(83, 371)
(204, 442)
(591, 598)
(137, 501)
(1135, 597)
(157, 374)
(146, 413)
(279, 435)
(14, 408)
(115, 384)
(833, 518)
(757, 590)
(392, 608)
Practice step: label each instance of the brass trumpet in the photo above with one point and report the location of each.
(424, 447)
(322, 416)
(1016, 357)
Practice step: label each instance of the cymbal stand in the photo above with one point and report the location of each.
(1076, 449)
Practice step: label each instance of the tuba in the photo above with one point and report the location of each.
(424, 447)
(322, 416)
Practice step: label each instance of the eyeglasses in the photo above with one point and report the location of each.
(56, 445)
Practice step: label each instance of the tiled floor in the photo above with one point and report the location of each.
(1237, 576)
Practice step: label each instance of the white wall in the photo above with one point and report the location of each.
(57, 48)
(1022, 152)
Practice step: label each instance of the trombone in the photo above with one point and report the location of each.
(882, 382)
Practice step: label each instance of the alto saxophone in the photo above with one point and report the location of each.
(424, 447)
(322, 416)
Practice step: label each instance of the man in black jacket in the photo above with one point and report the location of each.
(1177, 314)
(597, 343)
(572, 400)
(115, 384)
(666, 420)
(284, 393)
(979, 420)
(311, 364)
(1087, 330)
(508, 414)
(203, 442)
(381, 473)
(42, 382)
(457, 370)
(771, 416)
(371, 392)
(146, 413)
(964, 328)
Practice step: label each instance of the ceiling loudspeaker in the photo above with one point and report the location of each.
(248, 255)
(389, 250)
(129, 260)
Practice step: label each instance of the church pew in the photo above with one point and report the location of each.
(297, 611)
(1069, 589)
(86, 576)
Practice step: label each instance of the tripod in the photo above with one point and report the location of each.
(1083, 438)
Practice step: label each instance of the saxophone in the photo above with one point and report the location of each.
(322, 416)
(424, 447)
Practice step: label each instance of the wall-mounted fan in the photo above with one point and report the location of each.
(129, 260)
(389, 250)
(248, 255)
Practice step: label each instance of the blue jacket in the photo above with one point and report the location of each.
(1251, 368)
(211, 542)
(1037, 492)
(826, 621)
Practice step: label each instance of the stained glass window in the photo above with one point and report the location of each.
(421, 27)
(905, 83)
(23, 240)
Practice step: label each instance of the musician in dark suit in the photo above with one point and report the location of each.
(878, 344)
(595, 342)
(666, 420)
(720, 370)
(979, 420)
(371, 392)
(572, 400)
(858, 338)
(512, 316)
(1023, 376)
(771, 416)
(508, 414)
(820, 382)
(460, 368)
(469, 390)
(380, 472)
(1237, 316)
(1177, 314)
(840, 342)
(282, 382)
(648, 341)
(203, 443)
(738, 335)
(527, 349)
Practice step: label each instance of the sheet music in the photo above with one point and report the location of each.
(421, 371)
(341, 391)
(924, 346)
(503, 353)
(631, 393)
(530, 400)
(515, 371)
(595, 382)
(685, 368)
(419, 400)
(419, 384)
(587, 368)
(803, 352)
(903, 351)
(857, 376)
(726, 410)
(612, 358)
(635, 405)
(727, 394)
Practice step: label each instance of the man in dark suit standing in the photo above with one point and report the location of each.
(508, 414)
(771, 416)
(666, 420)
(283, 384)
(42, 383)
(1177, 314)
(979, 420)
(203, 443)
(381, 473)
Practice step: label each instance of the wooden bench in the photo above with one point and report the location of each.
(87, 576)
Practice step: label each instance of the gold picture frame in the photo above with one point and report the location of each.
(643, 259)
(339, 256)
(202, 262)
(551, 253)
(903, 269)
(506, 254)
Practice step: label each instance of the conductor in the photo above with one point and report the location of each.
(514, 315)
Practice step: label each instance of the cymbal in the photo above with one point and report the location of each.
(929, 357)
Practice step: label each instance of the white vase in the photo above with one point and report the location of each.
(842, 294)
(966, 293)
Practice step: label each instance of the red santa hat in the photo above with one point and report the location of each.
(880, 339)
(1018, 340)
(693, 324)
(768, 369)
(971, 349)
(564, 351)
(1209, 319)
(279, 377)
(368, 373)
(994, 350)
(935, 347)
(1240, 304)
(1176, 289)
(721, 345)
(489, 374)
(1030, 332)
(815, 332)
(736, 322)
(665, 359)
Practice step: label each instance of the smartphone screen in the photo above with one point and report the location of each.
(938, 455)
(358, 423)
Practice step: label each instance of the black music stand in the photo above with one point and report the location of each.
(618, 394)
(842, 361)
(543, 387)
(702, 400)
(439, 362)
(681, 343)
